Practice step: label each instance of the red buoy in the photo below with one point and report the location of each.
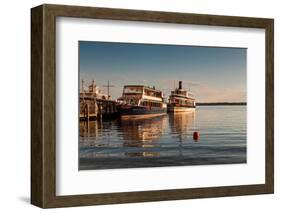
(196, 135)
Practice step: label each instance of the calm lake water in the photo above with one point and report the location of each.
(166, 140)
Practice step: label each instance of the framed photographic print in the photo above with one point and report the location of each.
(137, 106)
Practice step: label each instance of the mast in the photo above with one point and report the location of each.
(108, 86)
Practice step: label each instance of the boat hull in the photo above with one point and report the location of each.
(175, 109)
(137, 111)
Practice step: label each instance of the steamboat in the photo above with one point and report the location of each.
(181, 100)
(141, 101)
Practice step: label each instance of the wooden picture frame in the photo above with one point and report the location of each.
(43, 105)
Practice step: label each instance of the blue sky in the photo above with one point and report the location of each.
(211, 73)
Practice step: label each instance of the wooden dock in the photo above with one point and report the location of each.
(92, 108)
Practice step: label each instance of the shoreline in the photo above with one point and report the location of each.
(222, 104)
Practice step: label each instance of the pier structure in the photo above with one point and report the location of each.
(95, 105)
(92, 108)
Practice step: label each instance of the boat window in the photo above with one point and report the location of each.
(133, 90)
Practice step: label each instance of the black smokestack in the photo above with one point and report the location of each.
(180, 84)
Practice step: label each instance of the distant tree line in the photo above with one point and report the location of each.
(220, 103)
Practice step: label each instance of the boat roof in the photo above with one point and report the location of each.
(143, 86)
(133, 85)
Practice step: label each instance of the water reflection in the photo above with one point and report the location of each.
(165, 140)
(181, 124)
(142, 133)
(135, 137)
